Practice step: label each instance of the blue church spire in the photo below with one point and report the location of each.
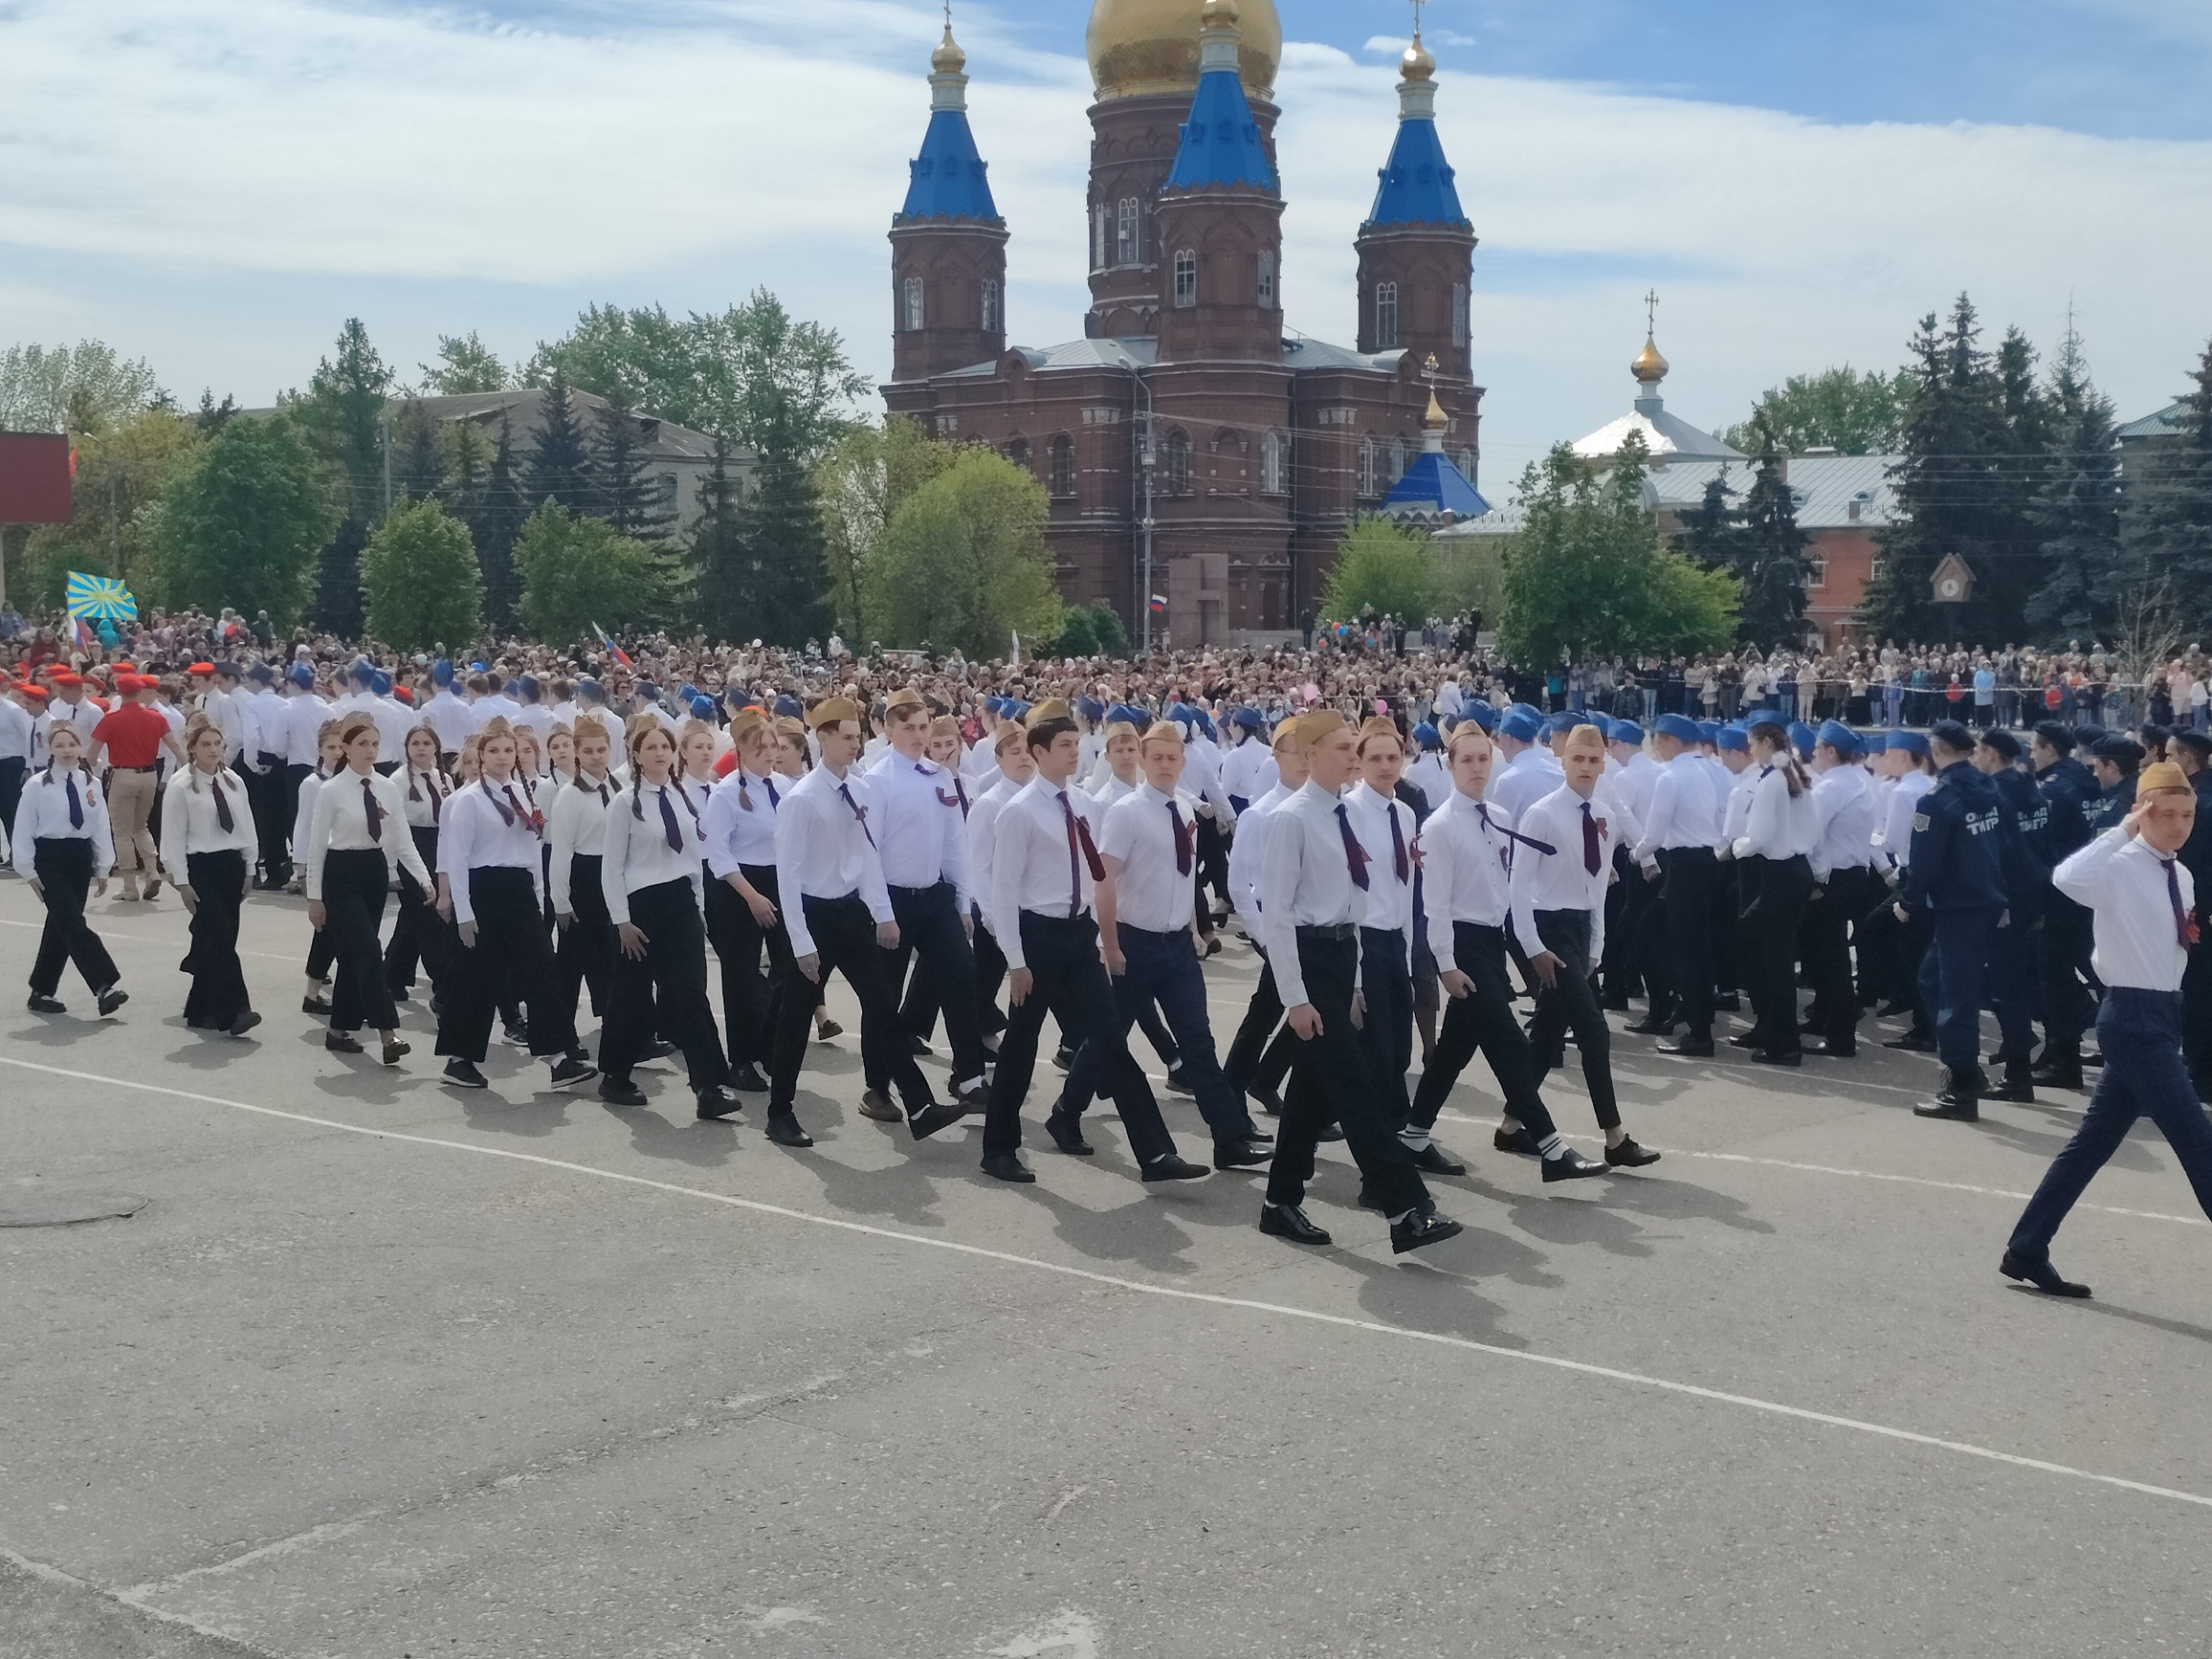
(1221, 140)
(1418, 186)
(949, 180)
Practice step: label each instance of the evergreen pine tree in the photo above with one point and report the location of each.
(2077, 511)
(2166, 524)
(718, 551)
(418, 469)
(2019, 565)
(1771, 563)
(560, 466)
(344, 416)
(1712, 534)
(630, 498)
(784, 590)
(496, 511)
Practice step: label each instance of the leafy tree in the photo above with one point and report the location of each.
(465, 364)
(629, 496)
(419, 577)
(1382, 566)
(496, 511)
(560, 467)
(965, 564)
(212, 415)
(578, 571)
(342, 417)
(242, 519)
(2078, 508)
(2166, 526)
(1091, 631)
(1838, 408)
(784, 577)
(82, 389)
(860, 485)
(719, 550)
(119, 470)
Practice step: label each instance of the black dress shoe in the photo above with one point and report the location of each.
(315, 1003)
(1241, 1154)
(1755, 1038)
(1179, 1084)
(1175, 1168)
(1650, 1028)
(570, 1070)
(244, 1022)
(784, 1131)
(746, 1080)
(1571, 1165)
(1687, 1048)
(1433, 1160)
(621, 1092)
(1951, 1106)
(1832, 1049)
(1330, 1132)
(881, 1108)
(2059, 1077)
(2042, 1275)
(1518, 1140)
(1628, 1154)
(1780, 1057)
(975, 1097)
(1912, 1042)
(2018, 1088)
(718, 1101)
(937, 1114)
(1067, 1136)
(1279, 1222)
(397, 1050)
(342, 1041)
(1063, 1058)
(46, 1005)
(1007, 1166)
(1421, 1229)
(463, 1074)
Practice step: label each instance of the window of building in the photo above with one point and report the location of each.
(1370, 468)
(1459, 314)
(1466, 461)
(1385, 316)
(1185, 277)
(1101, 236)
(1401, 457)
(1021, 454)
(1175, 463)
(1816, 572)
(1063, 465)
(912, 312)
(993, 312)
(1268, 281)
(1274, 464)
(1874, 572)
(1126, 251)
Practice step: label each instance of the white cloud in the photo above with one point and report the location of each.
(445, 170)
(1389, 43)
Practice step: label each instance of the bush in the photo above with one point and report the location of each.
(578, 572)
(420, 580)
(1382, 567)
(1091, 631)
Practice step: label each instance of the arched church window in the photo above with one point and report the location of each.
(1063, 466)
(1185, 277)
(1021, 454)
(1401, 457)
(1267, 280)
(994, 318)
(1127, 250)
(1385, 316)
(1101, 236)
(1466, 460)
(1459, 314)
(1175, 463)
(1274, 464)
(1370, 468)
(911, 311)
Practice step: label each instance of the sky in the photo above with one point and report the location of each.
(216, 185)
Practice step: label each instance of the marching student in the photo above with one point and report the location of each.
(18, 735)
(1675, 855)
(831, 878)
(419, 936)
(2064, 784)
(2012, 964)
(1844, 887)
(330, 759)
(652, 885)
(207, 847)
(1467, 852)
(268, 737)
(1558, 915)
(358, 830)
(1012, 768)
(1774, 865)
(1386, 828)
(491, 855)
(576, 830)
(794, 760)
(1898, 947)
(1958, 874)
(65, 848)
(559, 754)
(1045, 868)
(1311, 900)
(1259, 1055)
(741, 901)
(2141, 898)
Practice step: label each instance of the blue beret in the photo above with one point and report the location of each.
(684, 692)
(1801, 737)
(1483, 715)
(1681, 728)
(1090, 708)
(360, 671)
(790, 708)
(1205, 723)
(1427, 736)
(1709, 731)
(1248, 719)
(1733, 738)
(1521, 725)
(1873, 743)
(526, 685)
(441, 672)
(1911, 742)
(1625, 732)
(1529, 709)
(591, 691)
(702, 708)
(1839, 736)
(381, 684)
(303, 677)
(476, 668)
(259, 673)
(1182, 714)
(1561, 722)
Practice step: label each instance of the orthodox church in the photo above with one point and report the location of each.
(1193, 450)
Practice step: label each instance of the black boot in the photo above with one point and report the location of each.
(2018, 1085)
(1958, 1101)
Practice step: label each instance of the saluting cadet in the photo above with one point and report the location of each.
(360, 825)
(1957, 871)
(207, 846)
(1467, 849)
(742, 903)
(1259, 1055)
(1045, 868)
(575, 833)
(1558, 913)
(1844, 887)
(2012, 967)
(1675, 851)
(2143, 899)
(1386, 829)
(65, 848)
(1312, 897)
(835, 902)
(1774, 872)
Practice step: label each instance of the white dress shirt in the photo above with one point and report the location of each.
(340, 825)
(637, 854)
(1466, 858)
(1562, 878)
(1525, 780)
(394, 719)
(1032, 868)
(1779, 824)
(1150, 892)
(1894, 840)
(1426, 772)
(268, 727)
(741, 819)
(474, 834)
(1244, 853)
(190, 822)
(983, 825)
(1637, 778)
(229, 717)
(1389, 900)
(84, 714)
(303, 715)
(452, 719)
(1305, 881)
(1843, 804)
(424, 795)
(16, 730)
(918, 824)
(43, 815)
(1111, 789)
(576, 827)
(1684, 812)
(824, 850)
(2123, 881)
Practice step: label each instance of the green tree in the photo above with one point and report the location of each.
(576, 573)
(242, 519)
(964, 563)
(418, 462)
(342, 417)
(1090, 630)
(719, 550)
(860, 485)
(2078, 508)
(2166, 526)
(419, 577)
(119, 470)
(496, 511)
(85, 387)
(783, 591)
(1838, 408)
(628, 496)
(559, 469)
(1382, 566)
(1769, 562)
(465, 364)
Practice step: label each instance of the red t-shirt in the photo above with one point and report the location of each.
(725, 763)
(133, 734)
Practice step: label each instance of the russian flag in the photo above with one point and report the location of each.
(1160, 602)
(607, 640)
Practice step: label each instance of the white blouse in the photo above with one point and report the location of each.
(424, 797)
(576, 827)
(638, 855)
(741, 820)
(341, 826)
(192, 821)
(483, 830)
(43, 815)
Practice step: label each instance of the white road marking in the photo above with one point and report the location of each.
(299, 961)
(1073, 1634)
(70, 1580)
(1141, 1287)
(312, 1535)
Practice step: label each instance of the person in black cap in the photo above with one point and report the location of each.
(2113, 761)
(2064, 941)
(2012, 975)
(1956, 871)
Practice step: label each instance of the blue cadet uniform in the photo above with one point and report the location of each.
(2013, 981)
(1956, 871)
(2064, 940)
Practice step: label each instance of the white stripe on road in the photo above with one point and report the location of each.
(1141, 1287)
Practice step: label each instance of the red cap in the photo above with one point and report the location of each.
(66, 676)
(201, 667)
(405, 693)
(35, 693)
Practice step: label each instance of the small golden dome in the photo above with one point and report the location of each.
(1418, 64)
(949, 58)
(1149, 48)
(1435, 417)
(1649, 367)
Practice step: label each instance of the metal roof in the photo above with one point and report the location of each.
(1823, 488)
(1433, 487)
(525, 408)
(949, 180)
(2167, 422)
(1417, 183)
(1664, 434)
(1221, 141)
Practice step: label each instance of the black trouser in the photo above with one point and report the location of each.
(750, 1000)
(1212, 868)
(584, 952)
(2197, 1010)
(2014, 984)
(1387, 1027)
(1889, 951)
(270, 793)
(666, 988)
(12, 775)
(1482, 1021)
(1068, 980)
(1254, 1064)
(1622, 973)
(917, 1011)
(354, 885)
(294, 777)
(1160, 976)
(512, 957)
(1846, 897)
(420, 933)
(64, 871)
(218, 994)
(844, 935)
(2068, 1006)
(1330, 1084)
(1569, 1002)
(1775, 890)
(929, 928)
(1692, 875)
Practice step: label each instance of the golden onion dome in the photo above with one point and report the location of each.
(1418, 64)
(1649, 367)
(949, 58)
(1149, 48)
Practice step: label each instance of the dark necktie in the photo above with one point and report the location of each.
(1182, 839)
(371, 810)
(1398, 859)
(222, 806)
(1482, 810)
(604, 797)
(519, 811)
(668, 823)
(1078, 845)
(859, 814)
(1355, 854)
(960, 789)
(2184, 924)
(75, 805)
(1593, 843)
(774, 798)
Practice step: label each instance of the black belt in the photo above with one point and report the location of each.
(1173, 933)
(1339, 931)
(919, 892)
(155, 768)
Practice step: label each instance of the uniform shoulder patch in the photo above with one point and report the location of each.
(1920, 821)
